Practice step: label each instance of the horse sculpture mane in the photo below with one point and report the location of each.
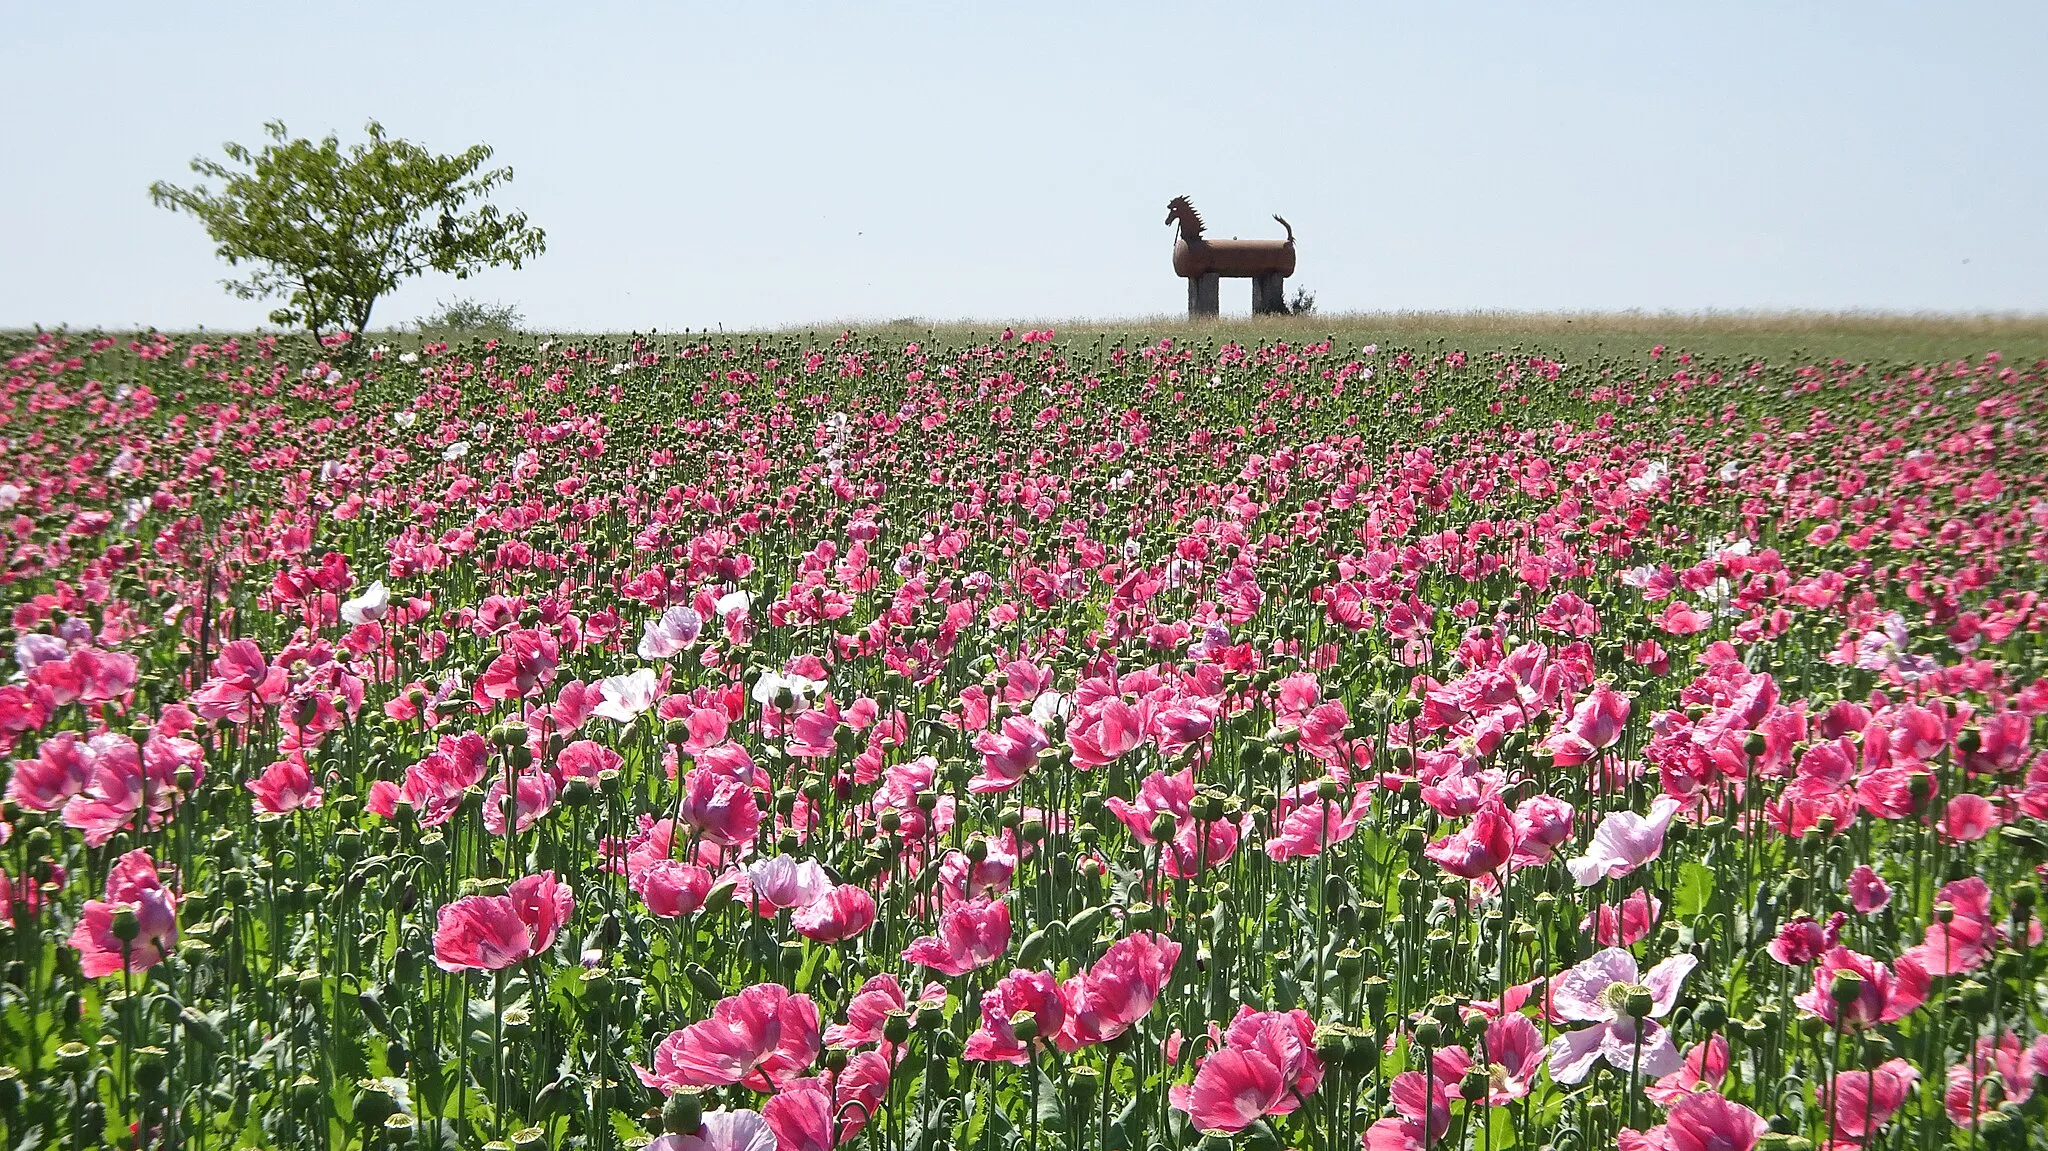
(1267, 263)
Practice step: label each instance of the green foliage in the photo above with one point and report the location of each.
(329, 230)
(467, 315)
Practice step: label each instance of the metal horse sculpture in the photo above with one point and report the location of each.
(1267, 263)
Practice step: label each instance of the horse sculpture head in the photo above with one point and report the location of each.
(1179, 209)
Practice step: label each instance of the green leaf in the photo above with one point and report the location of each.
(1695, 890)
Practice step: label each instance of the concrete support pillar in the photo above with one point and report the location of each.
(1203, 297)
(1269, 295)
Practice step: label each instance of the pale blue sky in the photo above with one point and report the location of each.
(771, 164)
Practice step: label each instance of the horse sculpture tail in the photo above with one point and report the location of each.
(1286, 225)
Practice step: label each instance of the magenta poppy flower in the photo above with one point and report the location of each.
(493, 932)
(972, 933)
(132, 883)
(1702, 1067)
(1514, 1052)
(759, 1037)
(1804, 939)
(1997, 1071)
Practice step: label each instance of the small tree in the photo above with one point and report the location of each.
(330, 231)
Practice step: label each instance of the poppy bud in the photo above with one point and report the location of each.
(896, 1028)
(125, 926)
(1711, 1015)
(73, 1058)
(683, 1113)
(1429, 1034)
(1024, 1025)
(1755, 745)
(1476, 1084)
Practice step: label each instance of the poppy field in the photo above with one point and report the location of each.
(797, 742)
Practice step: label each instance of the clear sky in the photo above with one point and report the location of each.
(758, 164)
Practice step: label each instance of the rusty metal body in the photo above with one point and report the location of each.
(1267, 263)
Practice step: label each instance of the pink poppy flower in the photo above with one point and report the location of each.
(1542, 824)
(1305, 824)
(1595, 724)
(1887, 995)
(493, 932)
(1623, 842)
(1997, 1072)
(671, 888)
(1864, 1101)
(284, 786)
(1597, 991)
(721, 808)
(60, 770)
(1267, 1066)
(841, 913)
(1514, 1052)
(1868, 894)
(1964, 943)
(760, 1037)
(132, 883)
(586, 759)
(1008, 755)
(867, 1012)
(1019, 993)
(1103, 735)
(536, 797)
(1967, 818)
(1708, 1122)
(1702, 1067)
(1481, 848)
(1623, 926)
(973, 933)
(1117, 991)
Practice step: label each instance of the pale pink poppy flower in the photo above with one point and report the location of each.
(1623, 842)
(1597, 991)
(723, 1131)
